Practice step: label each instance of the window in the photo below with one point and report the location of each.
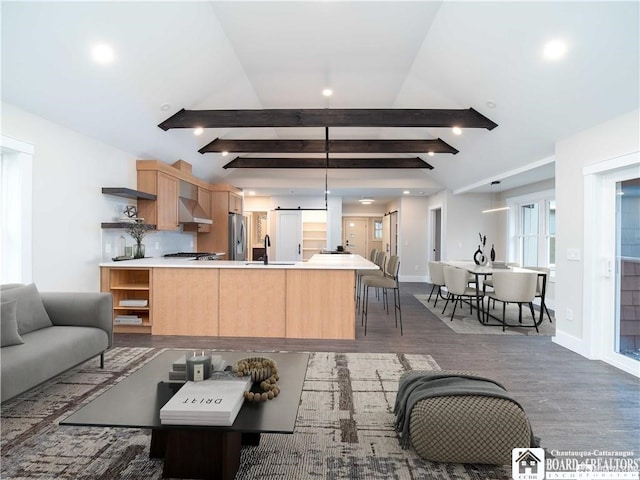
(377, 229)
(532, 230)
(15, 211)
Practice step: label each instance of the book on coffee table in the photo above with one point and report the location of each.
(209, 402)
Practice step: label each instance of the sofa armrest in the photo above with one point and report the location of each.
(83, 309)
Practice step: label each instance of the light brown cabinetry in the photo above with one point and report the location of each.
(163, 212)
(186, 301)
(217, 238)
(129, 284)
(260, 313)
(235, 203)
(204, 199)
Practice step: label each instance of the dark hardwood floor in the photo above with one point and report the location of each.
(573, 403)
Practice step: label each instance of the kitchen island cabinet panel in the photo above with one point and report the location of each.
(252, 303)
(320, 304)
(185, 301)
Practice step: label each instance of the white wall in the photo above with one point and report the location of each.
(412, 239)
(464, 221)
(69, 171)
(612, 139)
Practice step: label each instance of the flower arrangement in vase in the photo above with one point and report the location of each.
(138, 230)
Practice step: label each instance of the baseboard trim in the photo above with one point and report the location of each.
(572, 343)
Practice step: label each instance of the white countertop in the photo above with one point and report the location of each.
(317, 262)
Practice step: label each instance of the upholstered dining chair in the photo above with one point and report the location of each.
(543, 306)
(488, 282)
(388, 281)
(436, 277)
(514, 287)
(457, 282)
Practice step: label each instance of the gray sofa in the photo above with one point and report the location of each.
(45, 334)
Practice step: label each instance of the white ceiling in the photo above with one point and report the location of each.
(272, 54)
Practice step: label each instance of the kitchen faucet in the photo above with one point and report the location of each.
(267, 243)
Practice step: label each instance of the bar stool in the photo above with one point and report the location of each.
(380, 261)
(389, 281)
(360, 273)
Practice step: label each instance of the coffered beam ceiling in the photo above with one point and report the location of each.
(335, 117)
(331, 146)
(255, 162)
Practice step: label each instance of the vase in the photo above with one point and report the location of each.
(138, 250)
(493, 253)
(479, 257)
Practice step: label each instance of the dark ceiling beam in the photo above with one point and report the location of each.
(329, 117)
(335, 146)
(268, 162)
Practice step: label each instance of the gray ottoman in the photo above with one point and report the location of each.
(470, 428)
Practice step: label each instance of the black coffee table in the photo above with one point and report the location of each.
(196, 451)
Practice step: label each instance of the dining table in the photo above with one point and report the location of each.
(481, 272)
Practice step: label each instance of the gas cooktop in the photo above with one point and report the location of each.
(196, 255)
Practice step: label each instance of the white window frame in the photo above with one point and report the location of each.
(514, 231)
(16, 211)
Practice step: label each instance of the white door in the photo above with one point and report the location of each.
(289, 236)
(355, 236)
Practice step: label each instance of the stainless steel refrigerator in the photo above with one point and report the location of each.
(237, 237)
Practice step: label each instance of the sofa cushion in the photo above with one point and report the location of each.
(31, 314)
(9, 324)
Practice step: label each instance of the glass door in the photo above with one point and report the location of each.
(627, 295)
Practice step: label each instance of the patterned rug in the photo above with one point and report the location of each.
(464, 322)
(344, 430)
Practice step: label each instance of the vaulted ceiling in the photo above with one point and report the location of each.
(228, 55)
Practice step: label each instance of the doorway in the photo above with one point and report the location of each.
(436, 234)
(355, 235)
(612, 255)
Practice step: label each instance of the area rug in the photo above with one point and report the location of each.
(344, 429)
(466, 323)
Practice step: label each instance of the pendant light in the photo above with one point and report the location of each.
(496, 209)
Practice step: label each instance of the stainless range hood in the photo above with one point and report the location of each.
(189, 210)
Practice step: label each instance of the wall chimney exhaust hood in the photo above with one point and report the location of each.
(189, 210)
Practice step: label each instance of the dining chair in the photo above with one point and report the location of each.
(388, 281)
(488, 282)
(436, 277)
(456, 281)
(543, 305)
(514, 287)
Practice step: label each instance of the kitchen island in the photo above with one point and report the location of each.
(313, 299)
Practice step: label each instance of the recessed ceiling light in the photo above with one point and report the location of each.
(406, 192)
(327, 92)
(251, 192)
(431, 154)
(457, 130)
(491, 104)
(103, 53)
(198, 131)
(225, 153)
(554, 50)
(165, 107)
(366, 201)
(327, 192)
